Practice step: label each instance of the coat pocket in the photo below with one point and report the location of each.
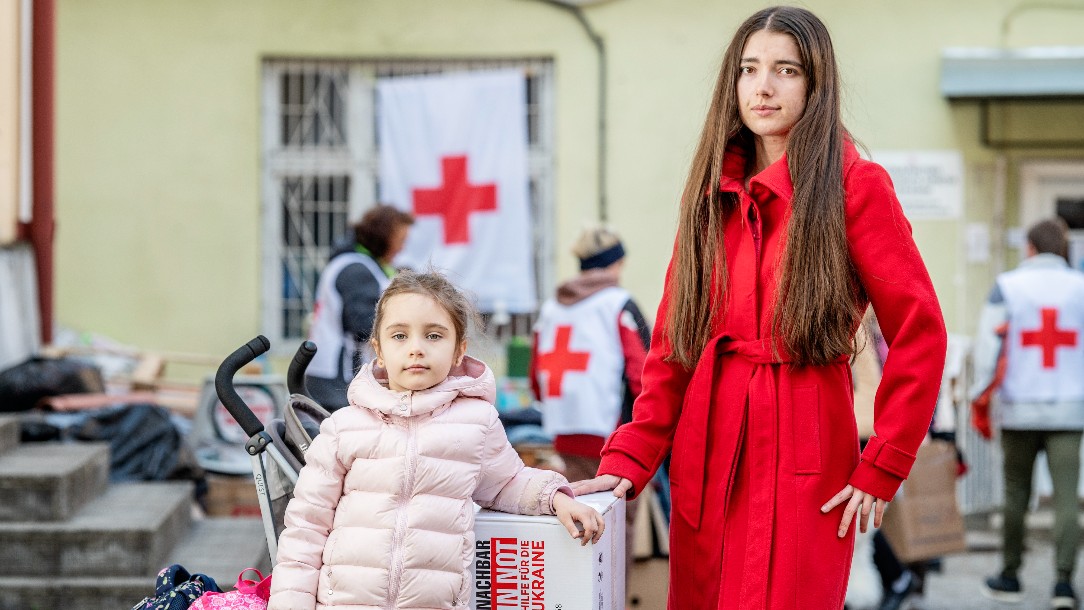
(806, 428)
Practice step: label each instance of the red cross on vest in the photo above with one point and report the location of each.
(1048, 337)
(455, 199)
(560, 361)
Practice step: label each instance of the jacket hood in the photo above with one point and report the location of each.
(584, 285)
(471, 379)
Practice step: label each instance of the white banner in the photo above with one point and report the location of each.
(453, 151)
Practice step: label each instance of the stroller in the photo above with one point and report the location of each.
(277, 451)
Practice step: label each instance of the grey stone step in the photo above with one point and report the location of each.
(221, 547)
(51, 481)
(218, 547)
(9, 433)
(128, 531)
(83, 593)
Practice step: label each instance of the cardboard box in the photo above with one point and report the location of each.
(231, 496)
(924, 521)
(531, 563)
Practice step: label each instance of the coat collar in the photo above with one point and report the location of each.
(369, 390)
(775, 177)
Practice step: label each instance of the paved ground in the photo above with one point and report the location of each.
(957, 587)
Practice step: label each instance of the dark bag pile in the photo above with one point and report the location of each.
(23, 385)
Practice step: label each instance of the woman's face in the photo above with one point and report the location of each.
(771, 85)
(395, 242)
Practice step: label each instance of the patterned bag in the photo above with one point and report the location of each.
(248, 594)
(175, 589)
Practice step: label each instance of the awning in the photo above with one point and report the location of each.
(974, 73)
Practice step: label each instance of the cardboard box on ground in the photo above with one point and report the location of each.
(231, 496)
(924, 521)
(532, 562)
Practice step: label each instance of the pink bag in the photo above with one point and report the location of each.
(246, 595)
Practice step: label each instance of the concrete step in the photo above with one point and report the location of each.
(18, 593)
(9, 433)
(128, 531)
(219, 547)
(51, 481)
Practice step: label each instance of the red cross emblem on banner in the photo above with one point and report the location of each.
(455, 199)
(560, 361)
(1049, 337)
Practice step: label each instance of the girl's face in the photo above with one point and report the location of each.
(771, 85)
(416, 342)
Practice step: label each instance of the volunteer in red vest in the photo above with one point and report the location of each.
(1030, 353)
(346, 295)
(587, 355)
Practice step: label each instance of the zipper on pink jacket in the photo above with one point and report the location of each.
(401, 518)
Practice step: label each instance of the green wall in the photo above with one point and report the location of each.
(159, 137)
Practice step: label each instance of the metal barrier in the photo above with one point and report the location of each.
(981, 490)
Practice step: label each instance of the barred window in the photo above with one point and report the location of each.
(321, 167)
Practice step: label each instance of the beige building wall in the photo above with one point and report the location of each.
(159, 132)
(11, 136)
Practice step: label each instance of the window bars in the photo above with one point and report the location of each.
(321, 168)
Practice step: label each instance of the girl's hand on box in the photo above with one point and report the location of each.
(570, 512)
(603, 482)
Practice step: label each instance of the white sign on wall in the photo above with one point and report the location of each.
(977, 236)
(929, 183)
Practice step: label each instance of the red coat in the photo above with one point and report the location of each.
(759, 447)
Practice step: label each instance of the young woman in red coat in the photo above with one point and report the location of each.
(785, 237)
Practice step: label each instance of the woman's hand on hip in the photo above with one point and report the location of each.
(602, 482)
(859, 503)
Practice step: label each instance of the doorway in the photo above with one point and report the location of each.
(1049, 188)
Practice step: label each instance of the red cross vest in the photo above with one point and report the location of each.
(1044, 346)
(580, 363)
(334, 348)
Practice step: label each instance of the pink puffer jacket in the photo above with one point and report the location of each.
(383, 512)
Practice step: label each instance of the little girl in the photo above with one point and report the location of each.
(383, 514)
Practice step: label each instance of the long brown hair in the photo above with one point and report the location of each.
(816, 308)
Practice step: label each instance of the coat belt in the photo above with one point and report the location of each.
(750, 415)
(749, 380)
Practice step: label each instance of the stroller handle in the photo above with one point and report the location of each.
(224, 384)
(295, 375)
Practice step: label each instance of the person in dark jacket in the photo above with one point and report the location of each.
(346, 295)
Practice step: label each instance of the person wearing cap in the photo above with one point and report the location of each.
(587, 354)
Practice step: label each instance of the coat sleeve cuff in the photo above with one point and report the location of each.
(621, 458)
(558, 487)
(882, 469)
